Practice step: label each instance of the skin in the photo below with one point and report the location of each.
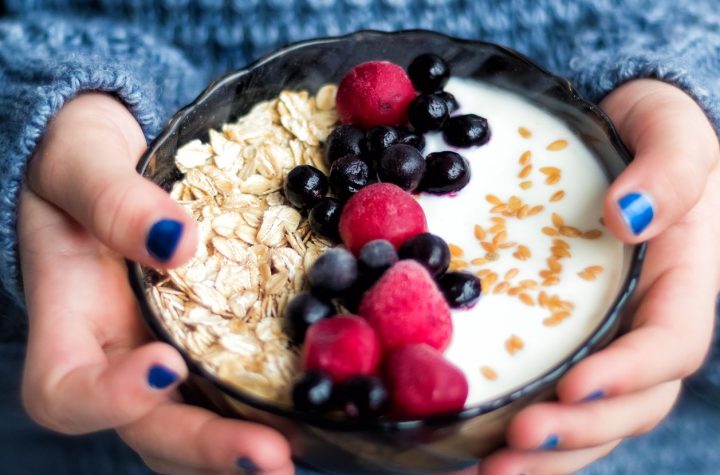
(82, 211)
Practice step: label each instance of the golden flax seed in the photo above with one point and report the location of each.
(552, 179)
(526, 185)
(493, 200)
(479, 232)
(487, 282)
(524, 133)
(511, 273)
(557, 145)
(488, 246)
(526, 299)
(497, 228)
(557, 196)
(557, 220)
(535, 210)
(514, 344)
(478, 261)
(550, 170)
(592, 234)
(458, 264)
(455, 250)
(570, 231)
(548, 231)
(488, 373)
(525, 172)
(525, 157)
(501, 287)
(523, 211)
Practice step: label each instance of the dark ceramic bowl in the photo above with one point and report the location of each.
(444, 443)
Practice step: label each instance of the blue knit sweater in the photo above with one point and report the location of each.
(157, 55)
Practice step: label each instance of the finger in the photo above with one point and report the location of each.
(674, 147)
(514, 462)
(194, 437)
(95, 396)
(92, 177)
(674, 328)
(170, 468)
(584, 425)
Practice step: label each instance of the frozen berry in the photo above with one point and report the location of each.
(447, 172)
(422, 383)
(341, 346)
(374, 93)
(450, 101)
(347, 175)
(305, 185)
(429, 250)
(333, 272)
(344, 140)
(312, 392)
(380, 211)
(401, 165)
(324, 218)
(429, 72)
(405, 306)
(375, 258)
(466, 130)
(301, 312)
(427, 112)
(461, 289)
(408, 137)
(377, 139)
(362, 396)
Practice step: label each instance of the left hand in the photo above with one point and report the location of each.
(636, 379)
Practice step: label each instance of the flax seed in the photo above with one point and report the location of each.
(524, 133)
(479, 232)
(455, 250)
(557, 196)
(478, 261)
(501, 287)
(511, 274)
(548, 231)
(525, 172)
(570, 231)
(493, 200)
(526, 185)
(552, 179)
(488, 373)
(592, 234)
(525, 157)
(535, 210)
(557, 145)
(526, 299)
(557, 220)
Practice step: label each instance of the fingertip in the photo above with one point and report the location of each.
(171, 238)
(165, 366)
(266, 450)
(529, 427)
(630, 214)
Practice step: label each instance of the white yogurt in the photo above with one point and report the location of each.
(480, 333)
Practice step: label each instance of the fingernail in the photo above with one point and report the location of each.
(551, 442)
(163, 238)
(637, 211)
(247, 464)
(594, 396)
(160, 377)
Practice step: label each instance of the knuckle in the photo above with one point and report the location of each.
(45, 410)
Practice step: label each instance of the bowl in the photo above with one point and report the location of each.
(442, 443)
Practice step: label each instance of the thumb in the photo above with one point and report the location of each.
(85, 165)
(675, 148)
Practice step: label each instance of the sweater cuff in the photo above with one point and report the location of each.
(596, 80)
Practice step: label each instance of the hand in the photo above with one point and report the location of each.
(89, 364)
(633, 383)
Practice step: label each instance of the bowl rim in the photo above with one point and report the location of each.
(528, 389)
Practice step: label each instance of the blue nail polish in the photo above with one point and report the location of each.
(247, 464)
(160, 377)
(551, 442)
(163, 238)
(637, 210)
(594, 396)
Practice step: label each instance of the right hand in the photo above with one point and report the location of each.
(90, 365)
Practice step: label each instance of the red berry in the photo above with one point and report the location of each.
(341, 346)
(422, 383)
(380, 211)
(405, 306)
(374, 93)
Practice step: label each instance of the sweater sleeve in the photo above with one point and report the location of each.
(44, 62)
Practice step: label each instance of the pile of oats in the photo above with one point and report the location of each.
(225, 305)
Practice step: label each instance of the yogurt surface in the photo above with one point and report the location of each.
(535, 190)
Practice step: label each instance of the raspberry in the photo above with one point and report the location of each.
(341, 346)
(405, 306)
(380, 211)
(422, 383)
(374, 93)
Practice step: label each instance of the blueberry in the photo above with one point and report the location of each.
(377, 139)
(402, 165)
(446, 172)
(333, 273)
(324, 218)
(450, 101)
(414, 139)
(461, 289)
(313, 392)
(305, 186)
(427, 112)
(344, 140)
(466, 130)
(428, 249)
(375, 258)
(301, 312)
(429, 72)
(362, 396)
(347, 175)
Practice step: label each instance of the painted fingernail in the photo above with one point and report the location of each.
(637, 211)
(163, 238)
(160, 377)
(551, 442)
(594, 396)
(247, 465)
